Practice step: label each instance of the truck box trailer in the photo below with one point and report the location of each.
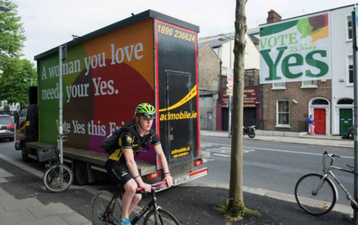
(149, 57)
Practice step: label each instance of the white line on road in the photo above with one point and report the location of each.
(223, 155)
(277, 150)
(294, 152)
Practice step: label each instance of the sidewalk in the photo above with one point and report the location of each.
(290, 137)
(30, 211)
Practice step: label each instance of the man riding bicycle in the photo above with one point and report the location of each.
(121, 166)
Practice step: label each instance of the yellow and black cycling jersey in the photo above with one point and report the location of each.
(129, 142)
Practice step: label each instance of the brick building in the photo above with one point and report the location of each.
(286, 103)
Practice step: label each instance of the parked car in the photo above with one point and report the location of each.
(7, 128)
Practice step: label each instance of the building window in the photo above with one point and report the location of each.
(350, 70)
(320, 102)
(349, 26)
(281, 85)
(309, 83)
(345, 101)
(283, 113)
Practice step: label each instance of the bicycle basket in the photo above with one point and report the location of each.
(46, 154)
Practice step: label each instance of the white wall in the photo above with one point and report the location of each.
(341, 47)
(252, 55)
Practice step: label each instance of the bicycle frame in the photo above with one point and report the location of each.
(141, 213)
(146, 208)
(328, 172)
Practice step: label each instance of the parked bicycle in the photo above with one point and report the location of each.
(107, 208)
(316, 193)
(58, 177)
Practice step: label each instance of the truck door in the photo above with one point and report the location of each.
(178, 125)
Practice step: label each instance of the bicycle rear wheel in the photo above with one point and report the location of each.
(99, 204)
(163, 217)
(52, 179)
(318, 203)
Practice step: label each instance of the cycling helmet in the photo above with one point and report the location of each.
(146, 110)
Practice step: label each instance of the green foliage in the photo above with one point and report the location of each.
(15, 73)
(16, 80)
(11, 34)
(224, 209)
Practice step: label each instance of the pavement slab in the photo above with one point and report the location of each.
(75, 219)
(4, 173)
(7, 218)
(22, 204)
(50, 210)
(5, 197)
(3, 180)
(2, 209)
(55, 220)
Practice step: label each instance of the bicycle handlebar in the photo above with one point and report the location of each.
(331, 155)
(154, 187)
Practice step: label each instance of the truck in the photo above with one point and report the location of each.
(148, 57)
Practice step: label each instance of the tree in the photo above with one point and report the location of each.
(15, 74)
(17, 78)
(11, 34)
(236, 204)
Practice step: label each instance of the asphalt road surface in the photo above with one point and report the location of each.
(274, 166)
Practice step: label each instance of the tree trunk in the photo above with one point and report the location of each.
(236, 200)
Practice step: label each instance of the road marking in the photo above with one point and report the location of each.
(227, 156)
(274, 150)
(225, 153)
(295, 152)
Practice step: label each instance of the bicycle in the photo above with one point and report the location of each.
(107, 208)
(316, 193)
(58, 177)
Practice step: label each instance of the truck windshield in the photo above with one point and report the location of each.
(23, 116)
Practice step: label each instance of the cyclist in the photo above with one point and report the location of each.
(121, 166)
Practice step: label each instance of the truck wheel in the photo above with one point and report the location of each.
(81, 175)
(24, 155)
(18, 145)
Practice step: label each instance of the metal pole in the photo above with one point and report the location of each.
(355, 110)
(230, 97)
(60, 119)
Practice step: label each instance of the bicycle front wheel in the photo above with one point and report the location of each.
(99, 204)
(314, 195)
(163, 217)
(52, 178)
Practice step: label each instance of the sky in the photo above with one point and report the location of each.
(50, 23)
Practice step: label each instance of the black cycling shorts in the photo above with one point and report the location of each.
(118, 172)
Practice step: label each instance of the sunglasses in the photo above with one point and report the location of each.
(148, 115)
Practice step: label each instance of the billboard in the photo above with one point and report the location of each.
(296, 50)
(104, 79)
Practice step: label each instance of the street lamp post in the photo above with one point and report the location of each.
(229, 71)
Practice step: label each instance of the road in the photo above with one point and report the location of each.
(273, 166)
(267, 165)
